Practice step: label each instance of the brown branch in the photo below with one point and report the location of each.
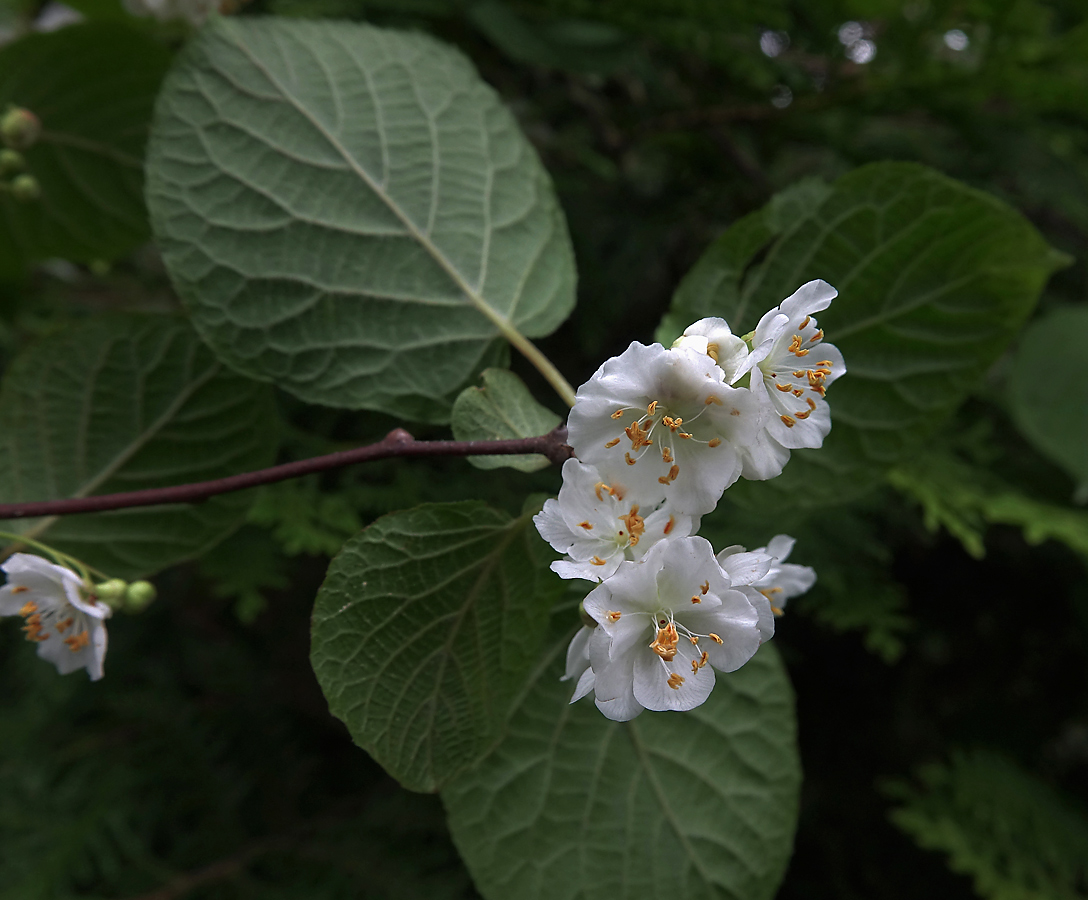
(398, 443)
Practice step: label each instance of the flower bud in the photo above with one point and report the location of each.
(25, 187)
(19, 128)
(10, 161)
(139, 596)
(110, 590)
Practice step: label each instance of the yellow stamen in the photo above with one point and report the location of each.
(706, 586)
(712, 399)
(627, 458)
(787, 421)
(666, 455)
(638, 435)
(636, 525)
(618, 414)
(20, 589)
(597, 561)
(675, 681)
(669, 525)
(784, 387)
(696, 599)
(715, 638)
(714, 442)
(78, 641)
(797, 392)
(612, 443)
(65, 625)
(805, 323)
(712, 351)
(28, 609)
(687, 436)
(652, 408)
(664, 644)
(671, 477)
(587, 525)
(613, 616)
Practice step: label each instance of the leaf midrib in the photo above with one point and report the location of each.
(500, 321)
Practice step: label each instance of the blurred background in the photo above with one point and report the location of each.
(941, 661)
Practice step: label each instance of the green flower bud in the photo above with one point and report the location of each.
(19, 128)
(11, 161)
(113, 589)
(139, 595)
(25, 187)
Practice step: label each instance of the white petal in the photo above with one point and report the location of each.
(585, 684)
(651, 685)
(745, 568)
(810, 298)
(587, 571)
(780, 546)
(736, 622)
(578, 653)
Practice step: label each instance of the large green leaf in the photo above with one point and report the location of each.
(572, 806)
(423, 632)
(1048, 391)
(934, 278)
(93, 87)
(121, 403)
(501, 409)
(352, 212)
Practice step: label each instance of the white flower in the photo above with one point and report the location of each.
(791, 378)
(578, 663)
(599, 521)
(68, 629)
(670, 416)
(665, 624)
(781, 580)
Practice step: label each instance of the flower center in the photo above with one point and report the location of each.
(669, 428)
(38, 621)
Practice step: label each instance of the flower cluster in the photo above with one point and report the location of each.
(658, 435)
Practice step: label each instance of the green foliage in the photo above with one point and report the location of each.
(243, 568)
(501, 408)
(105, 406)
(1048, 390)
(93, 87)
(965, 499)
(423, 631)
(1004, 827)
(203, 765)
(303, 518)
(571, 805)
(352, 213)
(934, 280)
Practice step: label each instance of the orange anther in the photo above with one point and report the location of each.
(787, 421)
(675, 681)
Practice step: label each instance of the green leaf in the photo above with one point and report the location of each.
(965, 500)
(1002, 826)
(352, 213)
(423, 632)
(934, 280)
(572, 806)
(93, 87)
(122, 403)
(1048, 391)
(503, 408)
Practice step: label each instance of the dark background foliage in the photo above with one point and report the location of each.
(206, 766)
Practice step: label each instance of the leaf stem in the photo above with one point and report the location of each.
(80, 567)
(398, 443)
(543, 365)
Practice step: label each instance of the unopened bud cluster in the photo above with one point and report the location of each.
(19, 131)
(659, 434)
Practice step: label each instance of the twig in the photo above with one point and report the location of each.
(398, 443)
